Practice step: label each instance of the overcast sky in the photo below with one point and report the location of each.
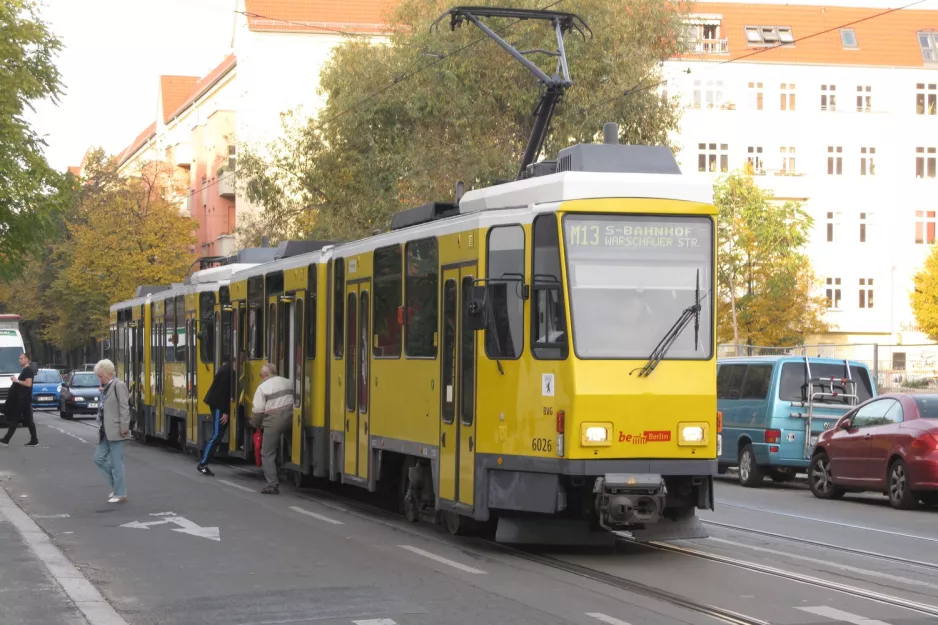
(115, 51)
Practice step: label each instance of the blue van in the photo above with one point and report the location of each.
(774, 408)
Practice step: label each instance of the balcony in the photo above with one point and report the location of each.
(182, 155)
(226, 182)
(708, 46)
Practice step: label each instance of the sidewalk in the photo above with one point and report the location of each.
(28, 594)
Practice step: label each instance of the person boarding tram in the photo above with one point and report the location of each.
(273, 411)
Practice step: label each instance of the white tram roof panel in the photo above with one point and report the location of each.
(218, 274)
(587, 185)
(281, 264)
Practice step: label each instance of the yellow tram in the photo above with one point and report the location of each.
(540, 352)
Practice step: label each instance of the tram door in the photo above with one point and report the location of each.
(192, 397)
(236, 425)
(457, 389)
(297, 369)
(284, 359)
(357, 377)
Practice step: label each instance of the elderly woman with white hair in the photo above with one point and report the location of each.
(113, 428)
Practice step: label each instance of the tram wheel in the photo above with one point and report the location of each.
(455, 523)
(408, 504)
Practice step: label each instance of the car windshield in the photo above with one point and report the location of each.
(9, 359)
(631, 277)
(85, 380)
(927, 406)
(793, 384)
(46, 376)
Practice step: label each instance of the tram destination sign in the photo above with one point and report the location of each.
(625, 233)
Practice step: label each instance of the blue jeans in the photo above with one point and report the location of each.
(109, 456)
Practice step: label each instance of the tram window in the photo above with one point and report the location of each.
(468, 347)
(350, 363)
(152, 336)
(338, 298)
(422, 298)
(449, 351)
(207, 332)
(548, 321)
(387, 302)
(272, 333)
(311, 312)
(169, 331)
(364, 336)
(226, 350)
(730, 381)
(180, 329)
(254, 332)
(756, 382)
(504, 338)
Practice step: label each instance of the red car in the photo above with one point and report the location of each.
(888, 444)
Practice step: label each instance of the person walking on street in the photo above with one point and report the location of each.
(23, 403)
(113, 429)
(273, 411)
(218, 399)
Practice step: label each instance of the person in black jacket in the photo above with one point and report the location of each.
(218, 399)
(23, 403)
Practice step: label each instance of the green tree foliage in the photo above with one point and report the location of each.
(119, 232)
(765, 280)
(924, 297)
(401, 124)
(29, 189)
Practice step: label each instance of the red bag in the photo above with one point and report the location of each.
(258, 440)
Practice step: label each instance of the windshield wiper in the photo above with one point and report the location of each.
(691, 312)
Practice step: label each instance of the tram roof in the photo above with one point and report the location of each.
(283, 264)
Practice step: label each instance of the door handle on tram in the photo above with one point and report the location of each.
(346, 425)
(470, 443)
(443, 440)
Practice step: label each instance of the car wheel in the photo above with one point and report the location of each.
(900, 491)
(820, 479)
(749, 472)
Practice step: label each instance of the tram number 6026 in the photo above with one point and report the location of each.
(542, 444)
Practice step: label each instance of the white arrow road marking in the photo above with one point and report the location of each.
(840, 615)
(185, 526)
(442, 560)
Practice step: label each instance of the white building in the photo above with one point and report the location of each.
(845, 122)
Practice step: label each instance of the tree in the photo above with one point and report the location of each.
(765, 280)
(404, 121)
(29, 189)
(924, 298)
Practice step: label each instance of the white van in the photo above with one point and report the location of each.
(11, 346)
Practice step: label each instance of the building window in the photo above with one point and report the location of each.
(926, 98)
(925, 227)
(769, 35)
(848, 37)
(866, 219)
(787, 98)
(866, 292)
(834, 226)
(711, 159)
(788, 161)
(755, 159)
(867, 161)
(833, 293)
(828, 97)
(929, 45)
(925, 162)
(755, 96)
(864, 98)
(835, 160)
(232, 157)
(708, 94)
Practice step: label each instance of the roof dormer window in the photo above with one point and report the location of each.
(929, 44)
(848, 37)
(769, 35)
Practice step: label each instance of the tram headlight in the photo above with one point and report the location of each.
(692, 434)
(596, 435)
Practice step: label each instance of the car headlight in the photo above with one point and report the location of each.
(692, 433)
(596, 434)
(58, 389)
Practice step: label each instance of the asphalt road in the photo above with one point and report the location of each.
(193, 549)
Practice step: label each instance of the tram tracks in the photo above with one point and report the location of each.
(816, 543)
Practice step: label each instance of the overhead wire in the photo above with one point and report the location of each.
(639, 87)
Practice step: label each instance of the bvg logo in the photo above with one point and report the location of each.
(648, 436)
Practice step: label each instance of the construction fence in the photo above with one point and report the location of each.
(895, 367)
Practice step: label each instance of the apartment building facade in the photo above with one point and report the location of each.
(844, 122)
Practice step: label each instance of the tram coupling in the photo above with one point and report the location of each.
(625, 500)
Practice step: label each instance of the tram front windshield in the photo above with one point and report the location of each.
(630, 279)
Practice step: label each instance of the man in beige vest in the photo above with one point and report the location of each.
(273, 411)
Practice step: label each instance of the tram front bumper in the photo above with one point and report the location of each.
(624, 500)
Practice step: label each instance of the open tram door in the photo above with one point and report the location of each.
(357, 377)
(297, 376)
(192, 397)
(457, 392)
(236, 414)
(282, 356)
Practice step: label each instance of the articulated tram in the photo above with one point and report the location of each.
(542, 350)
(539, 352)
